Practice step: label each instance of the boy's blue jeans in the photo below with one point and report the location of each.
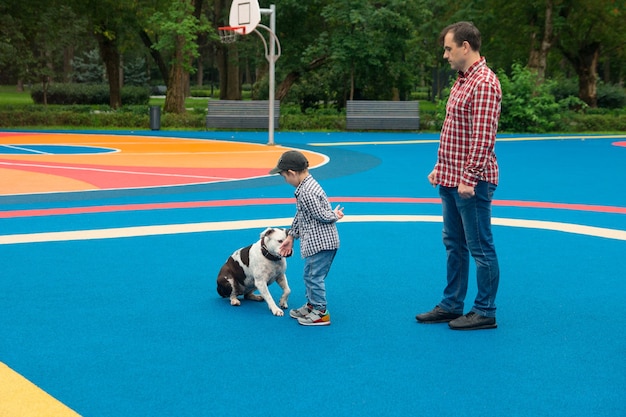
(316, 269)
(467, 230)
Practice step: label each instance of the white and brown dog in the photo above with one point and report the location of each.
(254, 268)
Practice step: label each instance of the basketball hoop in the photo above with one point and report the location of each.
(229, 34)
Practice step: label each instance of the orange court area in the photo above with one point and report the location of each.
(63, 162)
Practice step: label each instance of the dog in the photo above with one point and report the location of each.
(254, 268)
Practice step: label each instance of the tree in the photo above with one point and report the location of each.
(366, 49)
(178, 30)
(585, 30)
(227, 56)
(32, 54)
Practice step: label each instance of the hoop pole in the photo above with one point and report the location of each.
(272, 69)
(272, 57)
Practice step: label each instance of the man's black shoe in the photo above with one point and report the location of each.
(473, 321)
(437, 315)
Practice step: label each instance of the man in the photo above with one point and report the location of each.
(467, 174)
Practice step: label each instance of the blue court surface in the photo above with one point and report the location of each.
(108, 299)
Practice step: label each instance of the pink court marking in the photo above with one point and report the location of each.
(273, 201)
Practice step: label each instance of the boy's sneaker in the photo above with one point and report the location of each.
(315, 318)
(299, 313)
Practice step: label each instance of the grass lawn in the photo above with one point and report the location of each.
(10, 96)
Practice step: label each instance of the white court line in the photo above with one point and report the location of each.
(113, 171)
(172, 229)
(499, 139)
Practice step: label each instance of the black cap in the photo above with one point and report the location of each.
(291, 160)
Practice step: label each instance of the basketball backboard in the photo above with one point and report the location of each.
(246, 13)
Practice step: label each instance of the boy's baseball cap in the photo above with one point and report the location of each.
(293, 160)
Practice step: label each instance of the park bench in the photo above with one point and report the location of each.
(240, 114)
(382, 115)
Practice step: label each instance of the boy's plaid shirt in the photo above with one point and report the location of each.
(314, 223)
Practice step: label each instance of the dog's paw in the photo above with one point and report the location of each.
(278, 312)
(235, 302)
(284, 305)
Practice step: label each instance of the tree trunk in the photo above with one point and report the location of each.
(351, 83)
(111, 58)
(539, 57)
(228, 67)
(292, 77)
(156, 55)
(227, 58)
(585, 63)
(588, 75)
(68, 57)
(178, 81)
(200, 72)
(286, 84)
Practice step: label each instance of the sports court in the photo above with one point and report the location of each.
(111, 243)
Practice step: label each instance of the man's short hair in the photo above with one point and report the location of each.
(463, 31)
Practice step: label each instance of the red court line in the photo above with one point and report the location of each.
(273, 201)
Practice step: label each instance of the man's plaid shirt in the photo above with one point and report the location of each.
(314, 223)
(468, 137)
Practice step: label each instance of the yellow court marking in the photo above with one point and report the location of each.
(499, 139)
(21, 398)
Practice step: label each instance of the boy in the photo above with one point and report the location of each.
(314, 224)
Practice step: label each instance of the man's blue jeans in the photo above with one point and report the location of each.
(467, 230)
(316, 268)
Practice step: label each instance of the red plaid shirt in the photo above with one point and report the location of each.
(468, 137)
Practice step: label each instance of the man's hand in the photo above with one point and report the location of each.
(466, 191)
(432, 178)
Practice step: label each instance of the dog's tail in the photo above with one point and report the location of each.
(223, 287)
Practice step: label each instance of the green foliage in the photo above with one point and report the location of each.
(101, 117)
(87, 94)
(291, 118)
(611, 96)
(527, 104)
(530, 106)
(135, 73)
(88, 68)
(577, 122)
(179, 30)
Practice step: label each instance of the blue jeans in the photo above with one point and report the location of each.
(467, 230)
(316, 268)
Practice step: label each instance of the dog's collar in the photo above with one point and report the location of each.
(267, 253)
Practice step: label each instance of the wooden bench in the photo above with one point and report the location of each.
(240, 114)
(382, 115)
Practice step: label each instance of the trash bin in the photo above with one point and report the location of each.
(155, 117)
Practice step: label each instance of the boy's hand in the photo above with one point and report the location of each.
(338, 211)
(286, 248)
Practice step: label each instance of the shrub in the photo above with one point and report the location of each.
(527, 105)
(611, 96)
(88, 94)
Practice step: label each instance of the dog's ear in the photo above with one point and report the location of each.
(266, 232)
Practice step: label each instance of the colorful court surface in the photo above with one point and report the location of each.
(53, 162)
(111, 243)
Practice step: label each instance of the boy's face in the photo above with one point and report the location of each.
(291, 177)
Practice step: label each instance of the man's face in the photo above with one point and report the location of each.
(454, 54)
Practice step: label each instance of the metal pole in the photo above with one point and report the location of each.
(272, 74)
(272, 69)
